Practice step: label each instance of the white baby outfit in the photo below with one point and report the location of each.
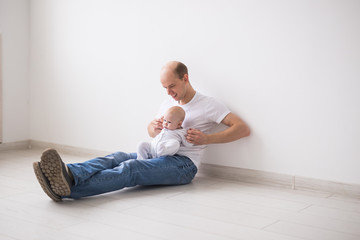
(167, 142)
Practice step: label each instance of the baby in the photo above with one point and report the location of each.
(169, 140)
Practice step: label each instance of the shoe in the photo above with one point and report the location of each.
(44, 183)
(55, 172)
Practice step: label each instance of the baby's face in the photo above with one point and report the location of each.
(171, 122)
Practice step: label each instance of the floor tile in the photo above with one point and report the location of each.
(310, 233)
(208, 208)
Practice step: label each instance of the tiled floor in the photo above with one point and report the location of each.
(206, 209)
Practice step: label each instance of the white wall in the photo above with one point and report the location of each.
(291, 69)
(14, 31)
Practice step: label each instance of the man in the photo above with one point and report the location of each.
(119, 170)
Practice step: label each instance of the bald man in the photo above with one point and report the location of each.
(120, 169)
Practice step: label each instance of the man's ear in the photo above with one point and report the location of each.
(186, 77)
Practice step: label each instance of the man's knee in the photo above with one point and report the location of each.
(122, 156)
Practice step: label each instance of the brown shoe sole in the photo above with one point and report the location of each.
(44, 183)
(54, 170)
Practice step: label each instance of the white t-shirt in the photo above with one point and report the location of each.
(203, 113)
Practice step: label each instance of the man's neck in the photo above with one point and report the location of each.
(188, 97)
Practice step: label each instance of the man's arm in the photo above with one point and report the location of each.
(237, 129)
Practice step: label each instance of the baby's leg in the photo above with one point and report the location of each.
(168, 148)
(143, 151)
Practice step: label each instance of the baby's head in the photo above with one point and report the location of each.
(173, 118)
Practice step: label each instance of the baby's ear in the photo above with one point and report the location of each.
(180, 123)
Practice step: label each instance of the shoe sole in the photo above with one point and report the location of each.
(44, 183)
(52, 167)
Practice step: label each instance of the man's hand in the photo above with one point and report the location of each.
(237, 129)
(196, 137)
(155, 127)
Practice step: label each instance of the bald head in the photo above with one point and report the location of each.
(177, 68)
(175, 79)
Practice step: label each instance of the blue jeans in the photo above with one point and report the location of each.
(119, 170)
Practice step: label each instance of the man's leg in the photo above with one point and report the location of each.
(55, 178)
(85, 170)
(166, 170)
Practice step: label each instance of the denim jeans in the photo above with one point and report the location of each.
(119, 170)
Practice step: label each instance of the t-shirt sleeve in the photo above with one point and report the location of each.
(216, 110)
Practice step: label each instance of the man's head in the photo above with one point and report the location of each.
(173, 118)
(175, 78)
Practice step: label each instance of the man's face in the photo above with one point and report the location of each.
(175, 87)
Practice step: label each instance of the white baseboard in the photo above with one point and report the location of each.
(15, 145)
(217, 171)
(280, 180)
(346, 189)
(247, 175)
(68, 149)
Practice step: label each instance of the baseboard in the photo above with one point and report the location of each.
(346, 189)
(247, 175)
(217, 171)
(66, 149)
(20, 145)
(279, 180)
